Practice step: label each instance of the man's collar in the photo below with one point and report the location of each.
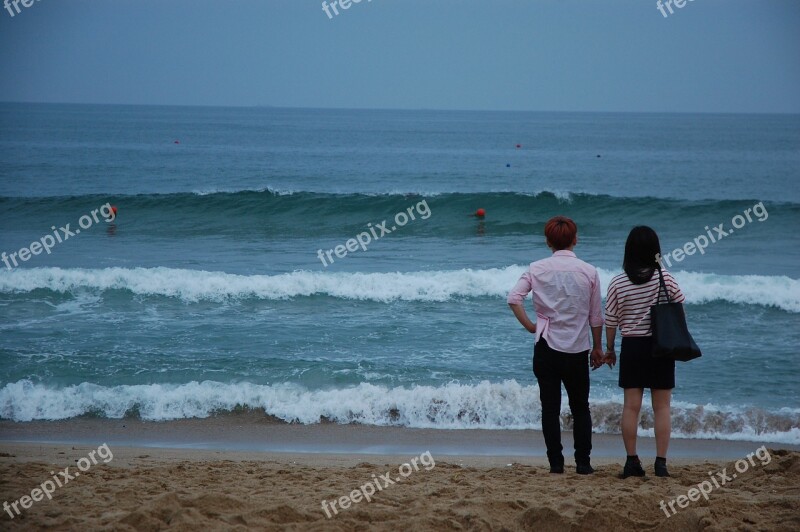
(564, 253)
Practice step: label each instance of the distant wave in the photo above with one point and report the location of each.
(287, 214)
(214, 194)
(192, 285)
(212, 205)
(503, 405)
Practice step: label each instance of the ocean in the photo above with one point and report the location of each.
(211, 291)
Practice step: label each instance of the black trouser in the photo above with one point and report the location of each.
(551, 368)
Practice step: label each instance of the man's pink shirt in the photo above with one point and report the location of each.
(566, 298)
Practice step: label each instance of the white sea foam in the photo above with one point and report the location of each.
(212, 191)
(501, 405)
(194, 285)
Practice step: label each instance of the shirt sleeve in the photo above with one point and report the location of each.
(596, 303)
(612, 320)
(521, 290)
(675, 293)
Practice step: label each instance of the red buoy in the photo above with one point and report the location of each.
(480, 213)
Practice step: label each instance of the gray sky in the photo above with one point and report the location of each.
(566, 55)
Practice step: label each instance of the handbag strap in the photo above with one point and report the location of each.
(662, 286)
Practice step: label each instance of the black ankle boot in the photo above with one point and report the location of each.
(661, 467)
(633, 467)
(584, 468)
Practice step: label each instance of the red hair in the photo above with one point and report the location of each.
(560, 232)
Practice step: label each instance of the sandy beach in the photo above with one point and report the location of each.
(177, 482)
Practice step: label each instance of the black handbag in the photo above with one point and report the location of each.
(671, 338)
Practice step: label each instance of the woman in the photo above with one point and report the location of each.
(630, 296)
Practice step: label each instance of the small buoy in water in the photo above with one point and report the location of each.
(508, 165)
(480, 213)
(598, 155)
(177, 141)
(519, 146)
(113, 212)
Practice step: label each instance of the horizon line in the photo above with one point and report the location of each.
(430, 109)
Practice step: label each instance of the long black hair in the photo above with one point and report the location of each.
(642, 250)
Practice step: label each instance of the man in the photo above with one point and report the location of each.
(567, 300)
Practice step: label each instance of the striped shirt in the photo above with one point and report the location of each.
(628, 305)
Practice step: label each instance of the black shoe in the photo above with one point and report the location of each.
(584, 468)
(661, 467)
(633, 467)
(557, 465)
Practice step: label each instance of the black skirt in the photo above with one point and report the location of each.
(638, 368)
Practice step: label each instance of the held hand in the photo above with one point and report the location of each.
(597, 359)
(610, 358)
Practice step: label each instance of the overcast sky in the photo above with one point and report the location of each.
(565, 55)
